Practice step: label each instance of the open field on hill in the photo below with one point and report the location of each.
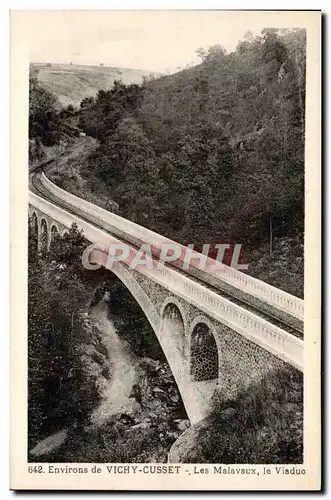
(71, 82)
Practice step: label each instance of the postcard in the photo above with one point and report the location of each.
(165, 250)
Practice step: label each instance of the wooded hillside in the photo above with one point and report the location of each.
(214, 152)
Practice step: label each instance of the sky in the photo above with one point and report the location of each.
(160, 41)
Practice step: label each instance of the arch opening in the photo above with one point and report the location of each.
(173, 327)
(43, 236)
(204, 354)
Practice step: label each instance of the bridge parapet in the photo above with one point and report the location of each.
(136, 234)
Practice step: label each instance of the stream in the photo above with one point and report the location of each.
(116, 394)
(116, 398)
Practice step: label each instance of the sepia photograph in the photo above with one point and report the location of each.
(166, 244)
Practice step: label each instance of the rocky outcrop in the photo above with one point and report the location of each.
(188, 447)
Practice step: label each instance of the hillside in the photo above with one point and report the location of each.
(71, 83)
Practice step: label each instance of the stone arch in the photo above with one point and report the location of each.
(204, 351)
(173, 324)
(195, 399)
(174, 358)
(44, 235)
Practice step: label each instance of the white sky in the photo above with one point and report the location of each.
(152, 40)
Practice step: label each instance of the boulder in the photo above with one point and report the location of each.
(187, 448)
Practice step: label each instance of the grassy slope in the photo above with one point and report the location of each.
(263, 424)
(71, 83)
